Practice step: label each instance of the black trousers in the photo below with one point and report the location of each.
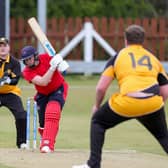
(105, 118)
(14, 104)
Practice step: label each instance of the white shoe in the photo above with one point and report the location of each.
(45, 149)
(81, 166)
(23, 146)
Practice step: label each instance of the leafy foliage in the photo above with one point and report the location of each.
(22, 8)
(108, 8)
(90, 8)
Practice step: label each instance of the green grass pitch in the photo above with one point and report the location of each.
(75, 121)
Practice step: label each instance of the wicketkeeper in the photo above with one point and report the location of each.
(43, 71)
(10, 72)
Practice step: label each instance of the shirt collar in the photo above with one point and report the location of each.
(6, 60)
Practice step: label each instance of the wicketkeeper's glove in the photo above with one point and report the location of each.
(5, 80)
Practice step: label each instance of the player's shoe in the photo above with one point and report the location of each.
(81, 166)
(45, 149)
(23, 146)
(40, 130)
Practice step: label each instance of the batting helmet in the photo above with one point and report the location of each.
(27, 52)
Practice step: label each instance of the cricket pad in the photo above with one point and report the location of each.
(51, 124)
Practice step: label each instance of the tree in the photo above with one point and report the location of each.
(108, 8)
(161, 7)
(22, 8)
(90, 8)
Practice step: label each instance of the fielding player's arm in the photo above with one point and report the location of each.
(101, 88)
(103, 83)
(163, 83)
(164, 91)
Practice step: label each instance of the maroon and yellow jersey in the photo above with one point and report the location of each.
(43, 66)
(136, 69)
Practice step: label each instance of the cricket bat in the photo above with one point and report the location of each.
(40, 35)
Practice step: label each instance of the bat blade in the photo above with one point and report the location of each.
(40, 35)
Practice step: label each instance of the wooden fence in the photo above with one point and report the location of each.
(61, 31)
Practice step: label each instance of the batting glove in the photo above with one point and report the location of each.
(63, 66)
(55, 61)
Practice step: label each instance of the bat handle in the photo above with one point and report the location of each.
(64, 73)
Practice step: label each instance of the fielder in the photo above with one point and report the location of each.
(42, 71)
(143, 88)
(10, 72)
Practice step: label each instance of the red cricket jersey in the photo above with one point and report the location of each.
(43, 66)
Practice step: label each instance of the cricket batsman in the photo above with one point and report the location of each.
(42, 71)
